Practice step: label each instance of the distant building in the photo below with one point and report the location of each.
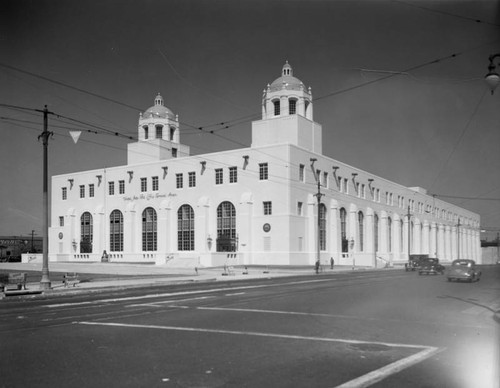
(255, 205)
(14, 246)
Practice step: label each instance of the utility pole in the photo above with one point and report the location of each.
(32, 238)
(318, 195)
(409, 233)
(458, 239)
(45, 281)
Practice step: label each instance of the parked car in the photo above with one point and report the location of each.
(431, 267)
(414, 262)
(463, 270)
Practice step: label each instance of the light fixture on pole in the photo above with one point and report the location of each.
(492, 78)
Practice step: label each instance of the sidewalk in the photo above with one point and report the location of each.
(94, 277)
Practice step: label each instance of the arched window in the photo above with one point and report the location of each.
(322, 227)
(389, 233)
(146, 132)
(172, 133)
(343, 230)
(185, 228)
(361, 228)
(292, 106)
(149, 235)
(86, 233)
(226, 227)
(277, 109)
(375, 231)
(116, 231)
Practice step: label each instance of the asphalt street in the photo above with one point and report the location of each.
(344, 329)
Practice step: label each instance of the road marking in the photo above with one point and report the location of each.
(253, 333)
(158, 304)
(359, 382)
(236, 293)
(170, 294)
(388, 370)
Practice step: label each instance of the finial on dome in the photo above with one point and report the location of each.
(159, 100)
(287, 69)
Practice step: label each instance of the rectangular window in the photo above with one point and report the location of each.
(302, 174)
(174, 152)
(263, 171)
(268, 208)
(341, 184)
(325, 179)
(64, 193)
(159, 132)
(233, 174)
(218, 176)
(299, 208)
(363, 191)
(61, 221)
(155, 183)
(192, 179)
(346, 186)
(179, 181)
(144, 185)
(111, 186)
(356, 187)
(91, 190)
(121, 187)
(82, 191)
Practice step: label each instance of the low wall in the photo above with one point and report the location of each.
(32, 258)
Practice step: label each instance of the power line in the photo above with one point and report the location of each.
(468, 198)
(445, 13)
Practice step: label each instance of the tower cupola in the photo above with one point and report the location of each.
(158, 135)
(287, 95)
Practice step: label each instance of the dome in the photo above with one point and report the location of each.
(158, 110)
(287, 81)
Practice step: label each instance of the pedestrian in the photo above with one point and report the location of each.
(317, 266)
(332, 262)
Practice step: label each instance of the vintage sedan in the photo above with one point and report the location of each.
(430, 267)
(463, 270)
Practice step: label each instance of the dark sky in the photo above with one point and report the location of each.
(431, 122)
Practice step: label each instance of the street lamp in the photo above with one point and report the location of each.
(492, 78)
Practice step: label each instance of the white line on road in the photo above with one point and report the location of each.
(158, 304)
(359, 382)
(388, 370)
(170, 294)
(253, 333)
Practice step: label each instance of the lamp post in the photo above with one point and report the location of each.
(492, 78)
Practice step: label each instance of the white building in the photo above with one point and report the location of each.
(255, 205)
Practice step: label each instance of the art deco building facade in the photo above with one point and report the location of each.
(256, 205)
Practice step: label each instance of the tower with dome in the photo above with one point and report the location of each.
(250, 206)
